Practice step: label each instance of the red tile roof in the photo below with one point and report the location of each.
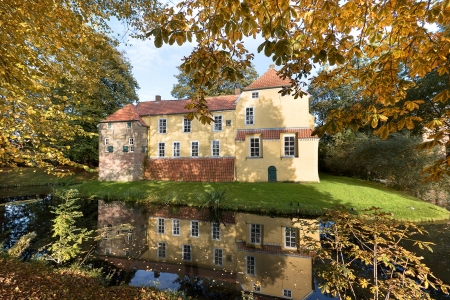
(126, 113)
(188, 213)
(202, 169)
(274, 133)
(270, 79)
(272, 249)
(167, 107)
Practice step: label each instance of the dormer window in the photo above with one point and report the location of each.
(255, 95)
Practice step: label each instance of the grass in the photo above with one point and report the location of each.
(282, 198)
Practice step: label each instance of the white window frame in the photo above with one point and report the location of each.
(217, 124)
(176, 227)
(198, 148)
(286, 147)
(163, 149)
(255, 95)
(215, 231)
(131, 144)
(256, 287)
(161, 249)
(129, 125)
(160, 225)
(109, 125)
(250, 262)
(187, 125)
(186, 249)
(129, 237)
(162, 128)
(213, 148)
(176, 150)
(250, 118)
(192, 228)
(218, 257)
(287, 293)
(287, 234)
(106, 141)
(251, 147)
(255, 236)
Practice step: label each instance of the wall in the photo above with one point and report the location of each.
(119, 165)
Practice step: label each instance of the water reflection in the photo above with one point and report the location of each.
(177, 247)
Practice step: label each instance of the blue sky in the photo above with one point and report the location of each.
(155, 68)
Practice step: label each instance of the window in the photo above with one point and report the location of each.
(217, 123)
(107, 251)
(176, 227)
(176, 149)
(162, 149)
(255, 95)
(161, 226)
(215, 231)
(187, 125)
(129, 237)
(289, 145)
(249, 116)
(228, 122)
(162, 125)
(186, 252)
(131, 143)
(127, 253)
(218, 257)
(125, 148)
(195, 229)
(194, 149)
(109, 125)
(255, 233)
(250, 265)
(128, 124)
(255, 147)
(106, 141)
(290, 237)
(215, 148)
(161, 250)
(287, 293)
(110, 148)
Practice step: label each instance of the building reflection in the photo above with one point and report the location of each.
(258, 253)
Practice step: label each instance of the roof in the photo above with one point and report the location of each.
(270, 79)
(168, 107)
(189, 213)
(126, 113)
(274, 133)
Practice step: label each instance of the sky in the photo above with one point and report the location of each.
(155, 68)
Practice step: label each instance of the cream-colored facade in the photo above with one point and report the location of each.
(256, 135)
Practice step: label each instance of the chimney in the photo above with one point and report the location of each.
(237, 91)
(158, 98)
(272, 66)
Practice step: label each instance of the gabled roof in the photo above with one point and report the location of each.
(125, 114)
(168, 107)
(274, 133)
(270, 79)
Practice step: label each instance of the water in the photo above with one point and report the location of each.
(179, 248)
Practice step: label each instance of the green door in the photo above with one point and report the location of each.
(272, 174)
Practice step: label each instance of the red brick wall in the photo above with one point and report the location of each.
(190, 169)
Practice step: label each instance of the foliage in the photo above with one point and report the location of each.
(68, 236)
(47, 46)
(362, 257)
(37, 281)
(21, 245)
(364, 155)
(377, 48)
(214, 200)
(308, 199)
(184, 88)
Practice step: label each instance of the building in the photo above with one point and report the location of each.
(257, 135)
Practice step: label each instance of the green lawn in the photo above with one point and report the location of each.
(306, 198)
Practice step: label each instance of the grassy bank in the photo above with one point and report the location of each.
(305, 198)
(21, 280)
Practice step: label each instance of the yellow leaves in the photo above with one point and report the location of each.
(442, 97)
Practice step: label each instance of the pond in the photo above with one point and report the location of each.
(183, 249)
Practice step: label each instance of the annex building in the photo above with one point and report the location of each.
(257, 135)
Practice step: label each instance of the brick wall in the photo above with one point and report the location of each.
(190, 169)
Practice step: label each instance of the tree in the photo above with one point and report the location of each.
(184, 88)
(45, 45)
(362, 44)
